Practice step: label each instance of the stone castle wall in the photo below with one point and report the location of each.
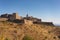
(3, 19)
(44, 23)
(29, 22)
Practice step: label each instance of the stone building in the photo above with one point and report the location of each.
(33, 19)
(14, 16)
(27, 20)
(4, 15)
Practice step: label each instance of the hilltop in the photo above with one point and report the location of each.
(24, 20)
(14, 27)
(14, 31)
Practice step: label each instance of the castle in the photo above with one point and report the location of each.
(27, 20)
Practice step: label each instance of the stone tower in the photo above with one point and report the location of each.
(15, 16)
(27, 16)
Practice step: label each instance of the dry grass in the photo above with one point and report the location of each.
(14, 31)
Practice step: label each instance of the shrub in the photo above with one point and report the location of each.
(49, 31)
(27, 38)
(59, 37)
(54, 37)
(15, 31)
(45, 37)
(6, 39)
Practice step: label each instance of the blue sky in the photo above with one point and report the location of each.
(47, 10)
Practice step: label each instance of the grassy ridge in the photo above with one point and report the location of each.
(14, 31)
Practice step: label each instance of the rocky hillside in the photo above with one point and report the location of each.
(15, 31)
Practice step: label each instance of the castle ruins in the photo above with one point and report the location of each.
(27, 20)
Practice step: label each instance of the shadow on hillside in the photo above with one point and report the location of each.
(17, 21)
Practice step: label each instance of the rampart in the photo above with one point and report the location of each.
(3, 19)
(27, 20)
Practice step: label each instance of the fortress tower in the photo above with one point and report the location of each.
(15, 16)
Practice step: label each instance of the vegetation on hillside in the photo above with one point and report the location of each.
(15, 31)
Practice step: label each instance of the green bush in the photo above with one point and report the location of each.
(27, 38)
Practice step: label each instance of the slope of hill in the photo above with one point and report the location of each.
(14, 31)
